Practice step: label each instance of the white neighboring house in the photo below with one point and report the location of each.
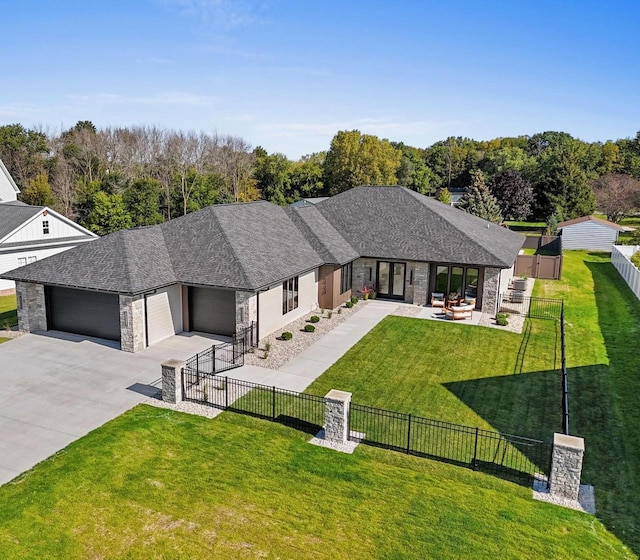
(8, 189)
(32, 233)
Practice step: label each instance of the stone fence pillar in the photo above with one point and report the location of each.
(566, 466)
(336, 427)
(172, 381)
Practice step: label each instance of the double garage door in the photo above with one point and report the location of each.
(83, 312)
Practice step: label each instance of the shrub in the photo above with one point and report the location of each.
(314, 319)
(266, 355)
(309, 328)
(267, 347)
(635, 259)
(339, 310)
(286, 335)
(354, 300)
(349, 304)
(330, 314)
(501, 319)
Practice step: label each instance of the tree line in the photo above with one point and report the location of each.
(118, 177)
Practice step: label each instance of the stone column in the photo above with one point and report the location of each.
(566, 466)
(132, 335)
(421, 283)
(490, 289)
(337, 416)
(172, 381)
(32, 310)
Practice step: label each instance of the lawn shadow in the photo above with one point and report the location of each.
(604, 407)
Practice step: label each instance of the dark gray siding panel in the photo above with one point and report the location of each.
(212, 311)
(83, 312)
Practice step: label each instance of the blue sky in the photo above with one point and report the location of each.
(287, 75)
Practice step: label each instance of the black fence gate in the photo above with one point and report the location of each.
(225, 356)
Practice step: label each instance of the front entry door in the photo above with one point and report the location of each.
(391, 277)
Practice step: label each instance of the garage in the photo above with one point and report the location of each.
(164, 314)
(212, 311)
(83, 312)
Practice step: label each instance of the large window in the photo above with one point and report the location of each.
(456, 281)
(345, 278)
(289, 295)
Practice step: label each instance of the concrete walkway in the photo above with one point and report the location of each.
(298, 373)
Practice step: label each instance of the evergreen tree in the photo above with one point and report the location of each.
(443, 195)
(479, 201)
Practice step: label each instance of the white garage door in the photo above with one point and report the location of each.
(164, 314)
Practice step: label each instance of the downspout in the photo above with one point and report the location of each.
(257, 316)
(146, 323)
(497, 304)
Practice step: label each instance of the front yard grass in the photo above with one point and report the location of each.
(493, 379)
(8, 311)
(160, 484)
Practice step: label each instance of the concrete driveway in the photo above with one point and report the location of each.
(57, 387)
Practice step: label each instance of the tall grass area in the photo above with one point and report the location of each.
(157, 484)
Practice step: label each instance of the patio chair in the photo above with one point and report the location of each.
(437, 299)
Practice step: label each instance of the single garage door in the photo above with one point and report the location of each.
(164, 314)
(212, 311)
(83, 312)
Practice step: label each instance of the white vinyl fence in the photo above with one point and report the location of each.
(621, 259)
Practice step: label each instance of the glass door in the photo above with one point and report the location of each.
(391, 276)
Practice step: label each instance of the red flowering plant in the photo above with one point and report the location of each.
(368, 292)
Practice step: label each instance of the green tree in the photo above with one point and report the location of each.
(414, 173)
(142, 202)
(108, 213)
(38, 193)
(23, 152)
(479, 201)
(563, 179)
(359, 159)
(307, 176)
(443, 195)
(206, 189)
(513, 193)
(273, 177)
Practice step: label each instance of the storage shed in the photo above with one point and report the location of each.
(589, 232)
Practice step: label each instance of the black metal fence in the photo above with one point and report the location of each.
(564, 377)
(517, 303)
(298, 410)
(225, 356)
(508, 456)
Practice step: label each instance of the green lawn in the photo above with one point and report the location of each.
(158, 484)
(465, 374)
(8, 311)
(603, 335)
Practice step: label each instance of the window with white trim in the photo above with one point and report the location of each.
(290, 295)
(32, 259)
(22, 261)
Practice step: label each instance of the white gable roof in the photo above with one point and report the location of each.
(8, 188)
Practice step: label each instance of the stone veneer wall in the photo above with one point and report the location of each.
(360, 274)
(246, 309)
(32, 309)
(420, 283)
(490, 289)
(132, 335)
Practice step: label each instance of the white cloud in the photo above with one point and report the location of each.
(217, 14)
(162, 98)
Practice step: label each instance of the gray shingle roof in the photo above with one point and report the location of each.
(53, 241)
(254, 245)
(13, 215)
(397, 223)
(128, 261)
(323, 237)
(248, 246)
